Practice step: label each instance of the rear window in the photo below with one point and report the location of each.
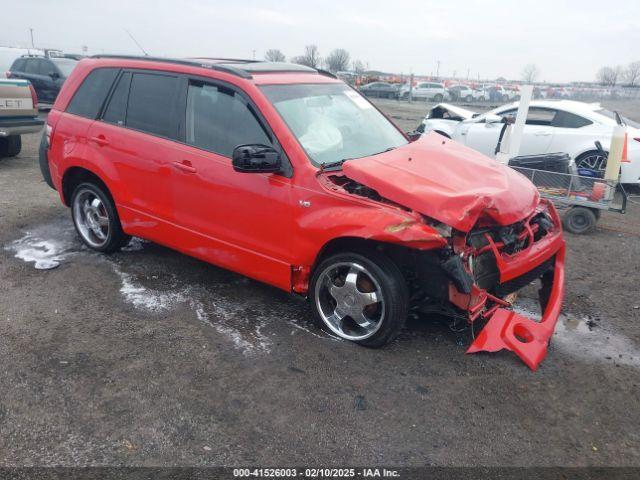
(153, 103)
(88, 99)
(18, 65)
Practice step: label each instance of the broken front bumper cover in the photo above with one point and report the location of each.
(509, 330)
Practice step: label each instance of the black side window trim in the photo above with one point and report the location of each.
(255, 111)
(104, 102)
(133, 71)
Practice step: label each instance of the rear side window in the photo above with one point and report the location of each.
(32, 65)
(45, 67)
(88, 99)
(569, 120)
(116, 112)
(153, 103)
(219, 119)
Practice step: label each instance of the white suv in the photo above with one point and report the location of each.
(426, 91)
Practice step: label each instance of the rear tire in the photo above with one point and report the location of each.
(10, 146)
(96, 219)
(361, 297)
(438, 98)
(579, 220)
(469, 98)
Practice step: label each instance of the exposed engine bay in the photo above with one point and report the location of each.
(470, 279)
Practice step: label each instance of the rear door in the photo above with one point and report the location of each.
(31, 72)
(48, 75)
(135, 140)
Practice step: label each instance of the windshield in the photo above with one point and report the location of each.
(612, 116)
(332, 122)
(66, 65)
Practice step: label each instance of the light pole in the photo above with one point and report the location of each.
(438, 71)
(31, 31)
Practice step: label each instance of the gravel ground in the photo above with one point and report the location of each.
(148, 357)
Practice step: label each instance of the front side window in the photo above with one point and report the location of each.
(536, 116)
(219, 119)
(153, 104)
(88, 99)
(332, 122)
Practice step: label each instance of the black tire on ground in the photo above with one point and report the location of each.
(505, 98)
(579, 220)
(469, 98)
(393, 288)
(116, 238)
(10, 146)
(438, 97)
(44, 161)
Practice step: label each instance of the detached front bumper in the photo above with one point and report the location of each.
(509, 330)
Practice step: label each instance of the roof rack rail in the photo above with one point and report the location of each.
(224, 59)
(212, 66)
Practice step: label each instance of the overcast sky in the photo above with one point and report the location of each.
(567, 40)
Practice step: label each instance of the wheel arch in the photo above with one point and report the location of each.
(74, 176)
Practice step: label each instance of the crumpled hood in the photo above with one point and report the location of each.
(448, 182)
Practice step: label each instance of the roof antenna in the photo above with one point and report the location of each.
(136, 42)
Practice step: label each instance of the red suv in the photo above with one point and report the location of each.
(287, 175)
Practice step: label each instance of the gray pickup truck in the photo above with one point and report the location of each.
(18, 114)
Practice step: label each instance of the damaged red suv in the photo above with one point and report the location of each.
(289, 176)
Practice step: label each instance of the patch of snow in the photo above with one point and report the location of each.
(45, 254)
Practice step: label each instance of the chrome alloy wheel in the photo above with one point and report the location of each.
(91, 218)
(349, 300)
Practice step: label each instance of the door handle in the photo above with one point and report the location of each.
(543, 134)
(100, 140)
(185, 166)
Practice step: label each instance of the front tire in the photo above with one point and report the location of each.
(469, 98)
(438, 98)
(361, 297)
(96, 219)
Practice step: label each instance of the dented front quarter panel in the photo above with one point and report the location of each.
(330, 213)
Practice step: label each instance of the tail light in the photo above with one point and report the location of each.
(34, 96)
(7, 74)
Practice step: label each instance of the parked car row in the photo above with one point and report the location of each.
(438, 92)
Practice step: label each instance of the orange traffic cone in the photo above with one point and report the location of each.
(624, 150)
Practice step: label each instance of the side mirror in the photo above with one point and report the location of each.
(255, 158)
(54, 75)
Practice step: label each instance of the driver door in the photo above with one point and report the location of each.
(236, 220)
